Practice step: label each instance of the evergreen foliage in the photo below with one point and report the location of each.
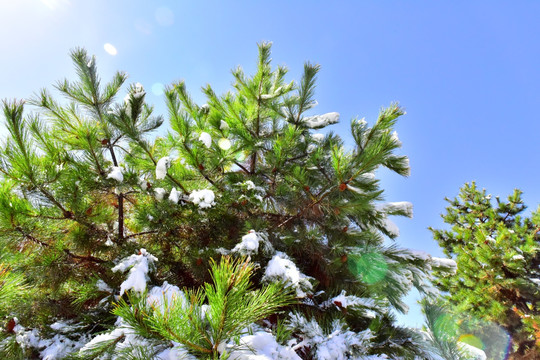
(85, 184)
(442, 333)
(496, 248)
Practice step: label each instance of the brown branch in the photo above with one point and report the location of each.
(68, 253)
(303, 210)
(141, 233)
(120, 217)
(258, 125)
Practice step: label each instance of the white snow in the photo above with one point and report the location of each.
(249, 185)
(139, 266)
(260, 346)
(280, 267)
(391, 227)
(204, 198)
(204, 108)
(224, 144)
(138, 90)
(91, 62)
(336, 345)
(395, 138)
(143, 183)
(368, 176)
(408, 166)
(343, 301)
(319, 121)
(399, 206)
(174, 196)
(206, 139)
(161, 167)
(54, 348)
(159, 296)
(518, 257)
(223, 125)
(249, 244)
(355, 189)
(418, 254)
(117, 333)
(176, 352)
(102, 286)
(159, 193)
(318, 137)
(448, 264)
(116, 174)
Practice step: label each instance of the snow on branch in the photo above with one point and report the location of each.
(161, 167)
(139, 266)
(444, 264)
(281, 268)
(320, 121)
(250, 243)
(116, 174)
(203, 198)
(396, 208)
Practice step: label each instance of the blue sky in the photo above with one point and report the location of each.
(467, 72)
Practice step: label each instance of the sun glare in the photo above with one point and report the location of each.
(110, 49)
(54, 4)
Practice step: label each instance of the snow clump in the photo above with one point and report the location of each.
(160, 296)
(400, 207)
(203, 198)
(57, 347)
(174, 196)
(344, 301)
(318, 137)
(337, 345)
(223, 125)
(138, 91)
(161, 167)
(281, 268)
(319, 121)
(116, 174)
(249, 244)
(447, 264)
(390, 227)
(139, 266)
(159, 193)
(261, 346)
(206, 139)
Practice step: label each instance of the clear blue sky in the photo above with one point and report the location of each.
(467, 73)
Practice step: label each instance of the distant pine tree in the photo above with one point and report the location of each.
(497, 281)
(93, 207)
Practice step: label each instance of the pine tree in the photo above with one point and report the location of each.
(496, 248)
(89, 194)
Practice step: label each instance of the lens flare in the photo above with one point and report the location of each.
(371, 266)
(489, 337)
(164, 16)
(472, 340)
(157, 89)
